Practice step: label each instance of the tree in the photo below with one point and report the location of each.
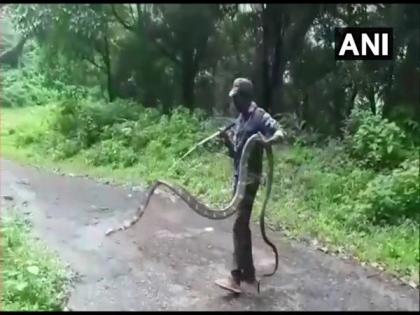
(282, 34)
(180, 32)
(402, 77)
(81, 31)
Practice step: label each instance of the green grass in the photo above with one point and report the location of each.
(33, 278)
(311, 196)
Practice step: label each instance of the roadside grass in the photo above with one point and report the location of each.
(308, 197)
(33, 278)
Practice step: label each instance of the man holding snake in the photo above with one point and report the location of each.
(251, 120)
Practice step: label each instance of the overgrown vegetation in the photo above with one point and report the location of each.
(33, 278)
(319, 191)
(349, 176)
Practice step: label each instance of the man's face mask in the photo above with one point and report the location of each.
(240, 103)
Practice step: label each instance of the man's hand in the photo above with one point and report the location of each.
(224, 135)
(278, 135)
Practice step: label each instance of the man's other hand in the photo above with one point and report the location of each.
(224, 135)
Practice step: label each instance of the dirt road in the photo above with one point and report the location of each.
(169, 260)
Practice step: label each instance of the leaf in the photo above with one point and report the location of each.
(33, 270)
(21, 286)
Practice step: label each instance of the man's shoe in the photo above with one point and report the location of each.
(229, 284)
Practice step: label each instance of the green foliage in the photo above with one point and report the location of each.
(113, 153)
(8, 34)
(405, 117)
(141, 51)
(116, 133)
(391, 198)
(358, 193)
(21, 88)
(83, 121)
(317, 190)
(124, 143)
(60, 147)
(61, 71)
(297, 131)
(374, 141)
(33, 279)
(29, 136)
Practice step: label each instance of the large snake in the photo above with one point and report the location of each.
(231, 208)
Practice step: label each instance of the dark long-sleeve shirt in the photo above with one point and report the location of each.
(256, 120)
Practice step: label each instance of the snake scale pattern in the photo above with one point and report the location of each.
(212, 213)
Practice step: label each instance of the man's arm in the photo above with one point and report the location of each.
(227, 140)
(226, 137)
(271, 129)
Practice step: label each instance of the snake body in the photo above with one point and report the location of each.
(213, 213)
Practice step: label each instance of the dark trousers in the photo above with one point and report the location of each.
(243, 265)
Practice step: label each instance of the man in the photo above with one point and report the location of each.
(252, 119)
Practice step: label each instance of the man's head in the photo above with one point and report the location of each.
(242, 94)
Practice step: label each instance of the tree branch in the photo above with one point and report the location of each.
(150, 36)
(199, 54)
(12, 55)
(132, 14)
(295, 35)
(91, 61)
(131, 28)
(165, 51)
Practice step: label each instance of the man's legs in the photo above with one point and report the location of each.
(243, 265)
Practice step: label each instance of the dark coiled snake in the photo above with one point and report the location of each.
(218, 214)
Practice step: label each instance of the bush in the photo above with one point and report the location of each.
(61, 148)
(111, 152)
(297, 131)
(373, 141)
(20, 88)
(385, 199)
(29, 136)
(160, 138)
(33, 279)
(84, 121)
(392, 198)
(406, 118)
(317, 191)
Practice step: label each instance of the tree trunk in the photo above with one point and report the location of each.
(280, 42)
(277, 87)
(388, 95)
(338, 117)
(305, 113)
(278, 63)
(350, 104)
(371, 98)
(257, 73)
(187, 86)
(189, 72)
(11, 56)
(266, 86)
(188, 89)
(107, 62)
